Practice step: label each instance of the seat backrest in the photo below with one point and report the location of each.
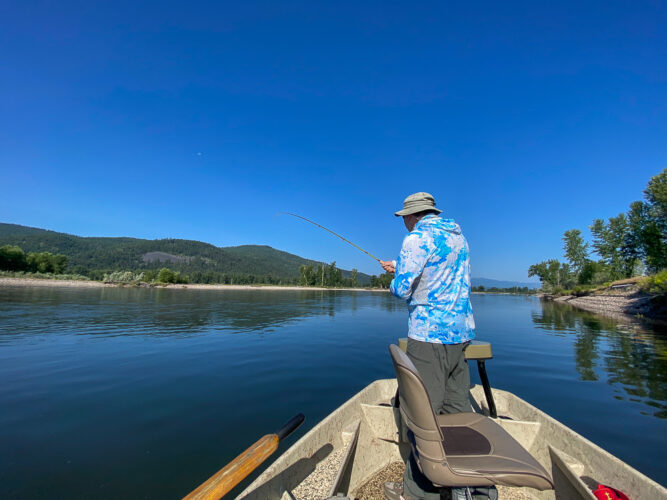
(416, 408)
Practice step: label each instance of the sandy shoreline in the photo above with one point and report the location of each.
(37, 282)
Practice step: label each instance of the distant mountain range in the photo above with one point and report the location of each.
(94, 255)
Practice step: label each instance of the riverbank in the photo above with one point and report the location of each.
(619, 302)
(27, 282)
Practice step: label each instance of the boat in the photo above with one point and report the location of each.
(362, 444)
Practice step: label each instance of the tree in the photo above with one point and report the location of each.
(166, 275)
(384, 280)
(576, 251)
(553, 274)
(609, 242)
(45, 262)
(12, 258)
(354, 277)
(654, 236)
(334, 276)
(306, 275)
(656, 196)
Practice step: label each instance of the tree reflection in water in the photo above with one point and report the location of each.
(632, 357)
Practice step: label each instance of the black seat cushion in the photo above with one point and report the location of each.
(464, 441)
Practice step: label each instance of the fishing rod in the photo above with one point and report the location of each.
(335, 234)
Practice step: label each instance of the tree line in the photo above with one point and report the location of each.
(511, 289)
(631, 244)
(324, 275)
(13, 258)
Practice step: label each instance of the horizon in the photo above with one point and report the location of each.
(269, 246)
(201, 121)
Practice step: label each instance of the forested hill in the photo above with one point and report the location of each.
(86, 255)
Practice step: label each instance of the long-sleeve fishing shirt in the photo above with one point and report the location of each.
(433, 275)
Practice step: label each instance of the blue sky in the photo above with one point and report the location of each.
(201, 120)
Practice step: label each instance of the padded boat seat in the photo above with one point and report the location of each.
(461, 449)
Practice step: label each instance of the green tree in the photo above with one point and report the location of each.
(12, 258)
(656, 196)
(553, 274)
(609, 242)
(59, 263)
(654, 237)
(166, 275)
(45, 262)
(305, 275)
(334, 276)
(576, 250)
(354, 277)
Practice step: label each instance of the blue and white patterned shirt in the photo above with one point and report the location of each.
(433, 275)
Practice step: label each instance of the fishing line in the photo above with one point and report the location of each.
(335, 234)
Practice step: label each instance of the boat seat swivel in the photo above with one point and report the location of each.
(461, 449)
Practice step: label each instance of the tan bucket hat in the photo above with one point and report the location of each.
(417, 202)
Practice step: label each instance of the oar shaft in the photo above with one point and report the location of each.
(233, 473)
(222, 482)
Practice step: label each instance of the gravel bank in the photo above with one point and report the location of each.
(621, 304)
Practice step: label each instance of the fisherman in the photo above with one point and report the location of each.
(432, 273)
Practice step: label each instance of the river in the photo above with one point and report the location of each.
(143, 393)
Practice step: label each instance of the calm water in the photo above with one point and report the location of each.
(135, 393)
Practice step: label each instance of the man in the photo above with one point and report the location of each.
(433, 274)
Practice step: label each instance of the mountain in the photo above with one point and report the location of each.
(94, 255)
(489, 283)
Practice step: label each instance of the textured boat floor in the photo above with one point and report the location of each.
(318, 484)
(374, 488)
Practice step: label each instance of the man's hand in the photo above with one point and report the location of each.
(388, 266)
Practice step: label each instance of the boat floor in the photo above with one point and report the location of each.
(316, 485)
(374, 488)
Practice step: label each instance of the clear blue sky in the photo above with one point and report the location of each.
(201, 120)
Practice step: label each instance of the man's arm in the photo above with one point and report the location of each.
(410, 264)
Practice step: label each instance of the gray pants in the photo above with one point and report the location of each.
(444, 370)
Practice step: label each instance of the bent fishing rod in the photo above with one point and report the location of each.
(335, 234)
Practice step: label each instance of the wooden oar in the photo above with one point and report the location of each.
(234, 472)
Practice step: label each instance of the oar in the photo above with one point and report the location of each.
(234, 472)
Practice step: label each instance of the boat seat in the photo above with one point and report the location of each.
(461, 449)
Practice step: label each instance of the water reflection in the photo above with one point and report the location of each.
(632, 358)
(173, 312)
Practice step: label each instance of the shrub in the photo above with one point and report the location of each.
(166, 275)
(123, 277)
(656, 283)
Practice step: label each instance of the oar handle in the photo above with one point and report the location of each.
(238, 469)
(290, 426)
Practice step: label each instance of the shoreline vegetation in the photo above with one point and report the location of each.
(629, 276)
(87, 283)
(83, 282)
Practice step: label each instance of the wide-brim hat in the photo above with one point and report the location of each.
(417, 202)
